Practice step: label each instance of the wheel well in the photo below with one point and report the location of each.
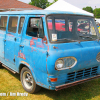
(21, 66)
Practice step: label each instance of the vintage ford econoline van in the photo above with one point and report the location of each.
(49, 49)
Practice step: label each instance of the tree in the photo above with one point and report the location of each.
(49, 4)
(96, 12)
(89, 9)
(39, 3)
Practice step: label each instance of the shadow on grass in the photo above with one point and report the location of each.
(17, 76)
(83, 91)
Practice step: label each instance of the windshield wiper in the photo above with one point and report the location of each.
(86, 36)
(69, 40)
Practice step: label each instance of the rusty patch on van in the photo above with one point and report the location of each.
(55, 47)
(10, 35)
(34, 38)
(40, 46)
(42, 16)
(44, 40)
(48, 49)
(25, 63)
(32, 42)
(21, 55)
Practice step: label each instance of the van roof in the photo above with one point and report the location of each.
(40, 12)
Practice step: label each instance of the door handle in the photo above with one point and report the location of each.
(4, 40)
(15, 39)
(22, 46)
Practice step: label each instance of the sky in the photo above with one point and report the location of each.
(78, 3)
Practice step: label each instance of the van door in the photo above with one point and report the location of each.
(13, 38)
(18, 40)
(3, 24)
(33, 47)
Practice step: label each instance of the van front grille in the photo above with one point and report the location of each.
(74, 76)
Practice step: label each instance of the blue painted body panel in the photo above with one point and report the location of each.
(2, 37)
(39, 56)
(85, 53)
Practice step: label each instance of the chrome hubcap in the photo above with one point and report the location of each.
(27, 80)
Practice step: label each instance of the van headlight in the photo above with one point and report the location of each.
(59, 64)
(65, 63)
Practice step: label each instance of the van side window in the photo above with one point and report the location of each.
(35, 28)
(3, 22)
(12, 27)
(21, 24)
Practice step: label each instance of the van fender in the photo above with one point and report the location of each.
(30, 68)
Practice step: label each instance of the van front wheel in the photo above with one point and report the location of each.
(28, 81)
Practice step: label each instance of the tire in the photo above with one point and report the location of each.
(28, 81)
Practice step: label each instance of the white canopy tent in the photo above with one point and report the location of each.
(62, 5)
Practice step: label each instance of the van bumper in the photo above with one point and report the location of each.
(75, 83)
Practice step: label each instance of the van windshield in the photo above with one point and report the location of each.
(69, 28)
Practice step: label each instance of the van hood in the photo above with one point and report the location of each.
(85, 52)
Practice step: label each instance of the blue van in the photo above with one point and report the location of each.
(50, 49)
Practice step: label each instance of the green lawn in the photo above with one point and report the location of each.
(10, 83)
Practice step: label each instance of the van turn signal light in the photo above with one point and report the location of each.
(53, 79)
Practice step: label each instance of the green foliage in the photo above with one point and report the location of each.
(96, 12)
(39, 3)
(49, 4)
(89, 9)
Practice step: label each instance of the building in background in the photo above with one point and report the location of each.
(6, 5)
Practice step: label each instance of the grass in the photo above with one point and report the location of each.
(10, 83)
